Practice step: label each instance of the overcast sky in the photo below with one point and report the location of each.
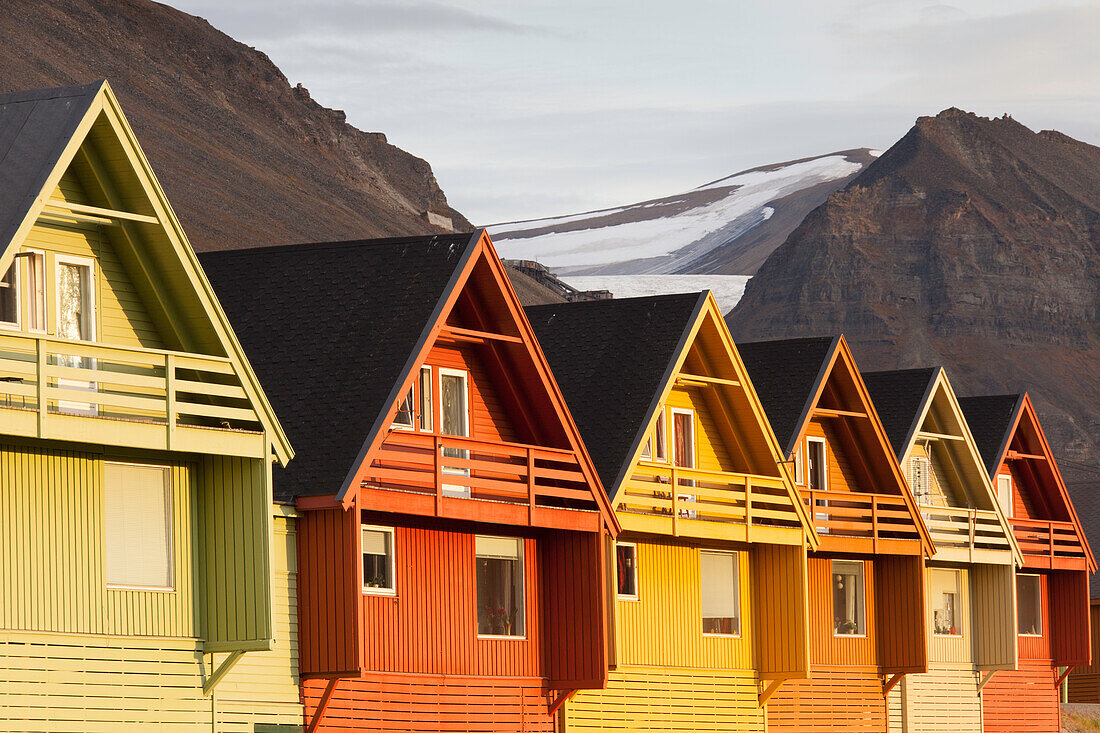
(530, 108)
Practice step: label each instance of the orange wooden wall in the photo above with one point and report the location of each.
(827, 648)
(575, 632)
(489, 420)
(1071, 631)
(328, 592)
(900, 592)
(1025, 699)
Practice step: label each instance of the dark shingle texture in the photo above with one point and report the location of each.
(328, 329)
(784, 373)
(898, 396)
(35, 127)
(989, 418)
(610, 358)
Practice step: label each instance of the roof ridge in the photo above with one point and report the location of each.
(35, 95)
(338, 244)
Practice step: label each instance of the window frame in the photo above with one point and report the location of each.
(92, 294)
(799, 465)
(957, 610)
(813, 439)
(16, 270)
(863, 593)
(1039, 603)
(637, 589)
(1010, 510)
(424, 425)
(521, 543)
(169, 531)
(693, 448)
(736, 592)
(410, 397)
(391, 560)
(31, 256)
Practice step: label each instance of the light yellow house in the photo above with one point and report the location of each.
(144, 581)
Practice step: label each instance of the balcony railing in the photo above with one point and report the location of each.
(457, 467)
(861, 522)
(694, 502)
(117, 395)
(1052, 544)
(960, 528)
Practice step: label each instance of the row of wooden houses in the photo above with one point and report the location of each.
(358, 486)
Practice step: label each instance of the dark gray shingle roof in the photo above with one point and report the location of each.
(989, 418)
(898, 396)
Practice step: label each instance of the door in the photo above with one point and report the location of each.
(683, 453)
(454, 406)
(76, 321)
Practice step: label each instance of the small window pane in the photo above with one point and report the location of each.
(647, 449)
(138, 526)
(659, 434)
(815, 457)
(799, 469)
(404, 416)
(848, 598)
(626, 557)
(945, 602)
(426, 399)
(36, 286)
(499, 586)
(1004, 494)
(378, 559)
(1029, 604)
(9, 297)
(720, 605)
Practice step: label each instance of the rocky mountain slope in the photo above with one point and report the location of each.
(726, 227)
(972, 242)
(245, 157)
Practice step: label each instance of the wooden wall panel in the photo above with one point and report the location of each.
(489, 420)
(826, 647)
(1038, 647)
(1070, 637)
(329, 591)
(993, 616)
(663, 628)
(830, 701)
(1084, 680)
(899, 590)
(1022, 700)
(779, 596)
(711, 453)
(668, 699)
(404, 703)
(573, 609)
(934, 702)
(842, 476)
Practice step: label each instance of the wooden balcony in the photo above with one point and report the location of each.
(687, 502)
(126, 397)
(866, 523)
(967, 535)
(463, 478)
(1045, 544)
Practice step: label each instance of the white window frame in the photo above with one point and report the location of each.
(863, 589)
(1039, 579)
(736, 590)
(959, 630)
(637, 588)
(33, 253)
(391, 560)
(824, 461)
(16, 281)
(522, 560)
(411, 396)
(169, 530)
(1009, 508)
(455, 490)
(419, 401)
(93, 316)
(799, 465)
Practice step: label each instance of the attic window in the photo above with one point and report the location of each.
(403, 419)
(9, 298)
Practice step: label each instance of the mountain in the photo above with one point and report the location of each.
(726, 227)
(245, 157)
(971, 243)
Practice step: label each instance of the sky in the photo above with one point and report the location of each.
(534, 108)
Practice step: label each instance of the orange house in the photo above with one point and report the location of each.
(1052, 595)
(451, 526)
(866, 580)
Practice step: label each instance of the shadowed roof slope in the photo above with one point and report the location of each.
(898, 396)
(784, 373)
(329, 329)
(611, 359)
(990, 418)
(35, 128)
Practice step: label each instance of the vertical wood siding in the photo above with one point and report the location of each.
(664, 627)
(574, 633)
(831, 701)
(488, 418)
(1070, 637)
(943, 700)
(779, 602)
(1038, 647)
(828, 648)
(233, 549)
(993, 617)
(52, 549)
(900, 596)
(1022, 700)
(668, 699)
(328, 591)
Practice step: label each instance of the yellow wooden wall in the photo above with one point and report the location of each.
(711, 453)
(663, 628)
(779, 604)
(993, 593)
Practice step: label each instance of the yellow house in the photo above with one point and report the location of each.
(144, 581)
(710, 611)
(970, 583)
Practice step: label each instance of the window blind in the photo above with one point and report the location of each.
(375, 542)
(718, 572)
(138, 526)
(505, 548)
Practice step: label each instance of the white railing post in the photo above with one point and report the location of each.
(170, 396)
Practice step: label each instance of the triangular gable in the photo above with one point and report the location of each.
(480, 304)
(90, 136)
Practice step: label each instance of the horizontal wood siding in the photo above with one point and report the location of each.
(938, 701)
(328, 591)
(1070, 630)
(779, 590)
(573, 609)
(404, 703)
(1022, 700)
(836, 700)
(711, 453)
(841, 475)
(52, 549)
(1084, 680)
(993, 617)
(639, 699)
(430, 626)
(489, 420)
(664, 627)
(1037, 647)
(826, 647)
(900, 595)
(234, 550)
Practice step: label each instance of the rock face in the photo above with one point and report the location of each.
(245, 158)
(971, 243)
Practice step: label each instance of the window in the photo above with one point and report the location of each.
(799, 468)
(426, 399)
(1029, 605)
(138, 526)
(454, 419)
(849, 614)
(945, 603)
(920, 479)
(1004, 494)
(378, 565)
(626, 570)
(720, 605)
(75, 299)
(499, 586)
(403, 418)
(415, 409)
(9, 296)
(36, 291)
(817, 473)
(655, 445)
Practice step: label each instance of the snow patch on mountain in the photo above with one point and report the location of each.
(727, 289)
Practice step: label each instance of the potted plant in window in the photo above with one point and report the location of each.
(844, 626)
